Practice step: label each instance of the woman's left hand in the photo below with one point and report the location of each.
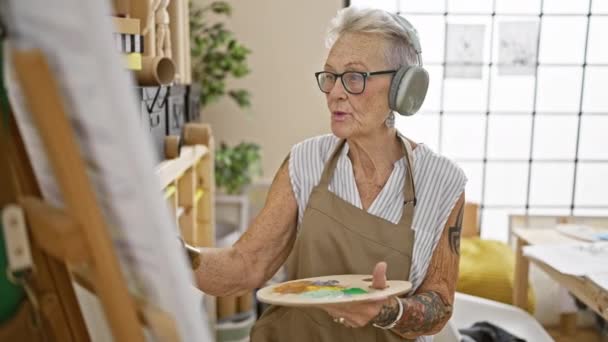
(359, 314)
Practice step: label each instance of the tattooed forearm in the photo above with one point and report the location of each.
(388, 313)
(422, 312)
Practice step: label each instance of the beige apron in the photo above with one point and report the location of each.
(338, 238)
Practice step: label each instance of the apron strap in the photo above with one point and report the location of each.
(409, 190)
(330, 166)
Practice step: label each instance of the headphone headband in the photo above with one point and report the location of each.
(411, 33)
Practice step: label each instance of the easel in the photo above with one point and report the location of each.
(51, 278)
(73, 243)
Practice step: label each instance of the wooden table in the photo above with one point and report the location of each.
(595, 297)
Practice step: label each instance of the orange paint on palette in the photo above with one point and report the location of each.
(304, 286)
(324, 288)
(295, 287)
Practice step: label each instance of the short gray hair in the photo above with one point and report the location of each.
(400, 51)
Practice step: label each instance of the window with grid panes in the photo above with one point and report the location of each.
(518, 98)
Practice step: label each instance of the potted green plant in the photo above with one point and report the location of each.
(235, 167)
(216, 54)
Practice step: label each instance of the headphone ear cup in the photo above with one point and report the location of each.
(408, 89)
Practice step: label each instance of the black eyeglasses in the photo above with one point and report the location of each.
(353, 81)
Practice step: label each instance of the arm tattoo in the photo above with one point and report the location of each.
(422, 312)
(388, 313)
(454, 233)
(455, 239)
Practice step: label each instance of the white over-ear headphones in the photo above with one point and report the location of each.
(411, 82)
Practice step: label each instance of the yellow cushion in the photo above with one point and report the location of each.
(486, 270)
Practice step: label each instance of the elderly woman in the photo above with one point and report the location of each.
(363, 199)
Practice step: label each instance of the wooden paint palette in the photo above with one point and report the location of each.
(336, 289)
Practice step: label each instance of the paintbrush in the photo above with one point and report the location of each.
(194, 254)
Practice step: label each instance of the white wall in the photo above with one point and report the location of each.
(287, 40)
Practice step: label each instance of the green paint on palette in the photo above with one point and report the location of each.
(353, 291)
(323, 294)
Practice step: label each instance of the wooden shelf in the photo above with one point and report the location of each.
(188, 183)
(172, 169)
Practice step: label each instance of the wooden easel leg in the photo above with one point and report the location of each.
(20, 328)
(61, 318)
(42, 96)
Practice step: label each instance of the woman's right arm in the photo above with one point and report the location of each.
(262, 249)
